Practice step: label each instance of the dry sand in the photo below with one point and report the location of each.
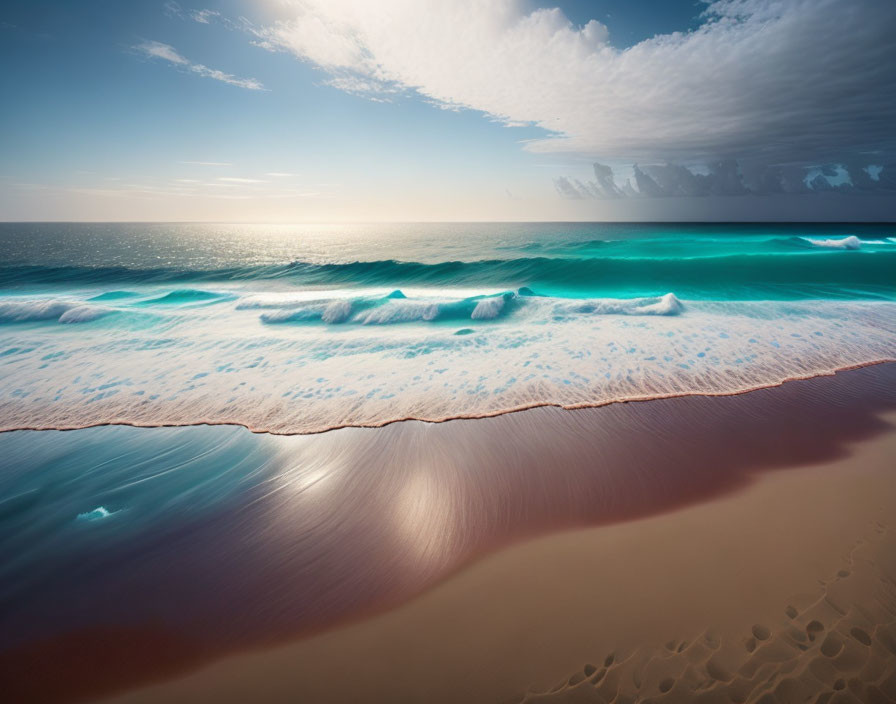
(781, 591)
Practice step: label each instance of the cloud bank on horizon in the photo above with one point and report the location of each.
(765, 96)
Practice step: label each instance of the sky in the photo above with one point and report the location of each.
(414, 110)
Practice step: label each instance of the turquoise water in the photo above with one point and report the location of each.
(297, 329)
(714, 262)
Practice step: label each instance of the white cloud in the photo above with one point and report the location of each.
(172, 9)
(778, 81)
(204, 16)
(235, 179)
(165, 52)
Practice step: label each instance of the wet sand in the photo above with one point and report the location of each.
(783, 592)
(423, 562)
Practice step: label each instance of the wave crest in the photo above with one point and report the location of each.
(851, 242)
(30, 311)
(392, 309)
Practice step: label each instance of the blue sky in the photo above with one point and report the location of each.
(296, 111)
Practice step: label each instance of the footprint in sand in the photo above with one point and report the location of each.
(717, 672)
(860, 636)
(832, 645)
(712, 640)
(814, 628)
(760, 632)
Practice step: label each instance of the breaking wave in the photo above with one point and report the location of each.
(30, 311)
(394, 308)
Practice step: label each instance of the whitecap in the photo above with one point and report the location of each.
(851, 242)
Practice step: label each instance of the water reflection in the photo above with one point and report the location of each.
(219, 538)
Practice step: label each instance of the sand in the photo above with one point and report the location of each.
(780, 591)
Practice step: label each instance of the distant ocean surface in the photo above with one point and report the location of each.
(299, 329)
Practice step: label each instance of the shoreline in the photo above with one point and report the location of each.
(477, 416)
(495, 487)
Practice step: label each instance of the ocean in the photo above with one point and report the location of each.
(301, 329)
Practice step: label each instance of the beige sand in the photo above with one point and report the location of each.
(779, 592)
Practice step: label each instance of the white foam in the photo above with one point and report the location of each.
(851, 242)
(398, 311)
(488, 308)
(295, 299)
(219, 364)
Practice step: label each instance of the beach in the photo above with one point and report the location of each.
(448, 352)
(736, 546)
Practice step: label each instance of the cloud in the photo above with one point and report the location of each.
(204, 16)
(172, 9)
(764, 82)
(166, 52)
(728, 178)
(235, 179)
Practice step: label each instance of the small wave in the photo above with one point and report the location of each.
(97, 514)
(114, 296)
(187, 296)
(82, 314)
(851, 242)
(46, 310)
